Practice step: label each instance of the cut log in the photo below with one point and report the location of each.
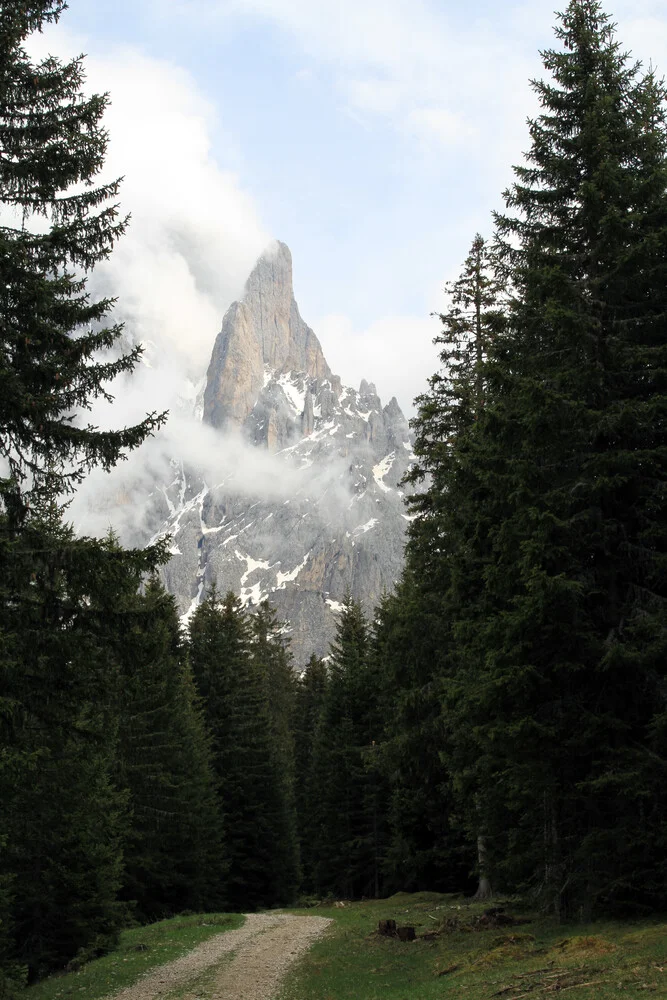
(405, 933)
(387, 928)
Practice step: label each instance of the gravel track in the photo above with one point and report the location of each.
(263, 950)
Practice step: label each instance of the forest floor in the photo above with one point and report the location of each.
(459, 952)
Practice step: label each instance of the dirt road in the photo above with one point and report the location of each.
(245, 964)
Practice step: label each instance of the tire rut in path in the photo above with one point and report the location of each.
(264, 948)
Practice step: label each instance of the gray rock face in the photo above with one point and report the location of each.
(339, 523)
(264, 331)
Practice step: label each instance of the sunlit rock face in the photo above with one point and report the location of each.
(336, 520)
(262, 334)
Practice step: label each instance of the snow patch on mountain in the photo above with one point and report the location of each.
(294, 392)
(382, 469)
(282, 579)
(363, 528)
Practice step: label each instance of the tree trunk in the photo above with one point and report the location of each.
(484, 890)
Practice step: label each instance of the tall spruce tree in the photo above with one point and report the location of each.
(426, 844)
(349, 812)
(454, 402)
(271, 658)
(173, 855)
(309, 703)
(232, 683)
(60, 816)
(52, 335)
(561, 676)
(443, 574)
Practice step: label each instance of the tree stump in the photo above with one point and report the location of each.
(387, 928)
(405, 933)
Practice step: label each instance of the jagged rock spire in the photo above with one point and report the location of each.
(263, 330)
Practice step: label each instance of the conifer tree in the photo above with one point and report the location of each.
(12, 975)
(173, 852)
(562, 653)
(454, 402)
(444, 573)
(427, 847)
(233, 689)
(53, 335)
(309, 703)
(61, 819)
(273, 662)
(344, 767)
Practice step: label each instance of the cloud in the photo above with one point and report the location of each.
(424, 68)
(193, 238)
(439, 126)
(194, 233)
(395, 352)
(414, 63)
(128, 498)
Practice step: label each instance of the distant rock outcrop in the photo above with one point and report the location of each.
(342, 527)
(264, 331)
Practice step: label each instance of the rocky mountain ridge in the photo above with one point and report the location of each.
(326, 514)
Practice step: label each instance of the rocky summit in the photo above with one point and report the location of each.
(323, 514)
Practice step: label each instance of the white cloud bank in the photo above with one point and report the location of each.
(193, 238)
(194, 233)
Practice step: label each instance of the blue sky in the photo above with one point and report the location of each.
(372, 136)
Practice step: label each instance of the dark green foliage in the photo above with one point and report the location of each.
(233, 675)
(12, 975)
(444, 574)
(61, 818)
(51, 333)
(427, 848)
(578, 611)
(543, 527)
(274, 664)
(173, 853)
(349, 817)
(448, 414)
(309, 702)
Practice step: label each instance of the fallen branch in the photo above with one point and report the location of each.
(562, 989)
(536, 972)
(578, 986)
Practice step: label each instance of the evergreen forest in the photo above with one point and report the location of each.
(499, 722)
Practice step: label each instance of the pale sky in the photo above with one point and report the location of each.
(374, 137)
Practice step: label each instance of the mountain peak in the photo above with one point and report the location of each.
(330, 516)
(263, 330)
(270, 281)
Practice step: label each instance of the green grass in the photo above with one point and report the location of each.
(453, 958)
(140, 949)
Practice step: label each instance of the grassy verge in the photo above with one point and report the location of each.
(140, 949)
(456, 954)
